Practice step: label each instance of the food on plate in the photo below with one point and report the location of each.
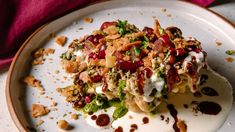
(39, 110)
(120, 65)
(61, 40)
(63, 124)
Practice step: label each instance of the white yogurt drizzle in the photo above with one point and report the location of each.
(154, 82)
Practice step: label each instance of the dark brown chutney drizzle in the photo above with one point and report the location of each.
(173, 113)
(210, 108)
(209, 91)
(145, 120)
(102, 120)
(197, 94)
(93, 117)
(119, 129)
(203, 79)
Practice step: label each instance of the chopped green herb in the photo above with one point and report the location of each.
(119, 112)
(143, 44)
(122, 31)
(91, 107)
(97, 103)
(146, 39)
(137, 51)
(160, 73)
(121, 86)
(230, 52)
(116, 102)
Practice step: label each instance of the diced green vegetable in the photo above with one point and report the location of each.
(143, 44)
(121, 86)
(119, 112)
(97, 103)
(116, 102)
(230, 52)
(137, 51)
(160, 73)
(146, 39)
(91, 107)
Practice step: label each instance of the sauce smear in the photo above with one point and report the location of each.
(209, 108)
(174, 113)
(119, 129)
(209, 91)
(102, 120)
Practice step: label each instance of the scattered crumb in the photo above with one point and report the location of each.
(163, 9)
(49, 51)
(61, 40)
(63, 124)
(33, 82)
(39, 55)
(38, 110)
(218, 43)
(74, 116)
(57, 72)
(80, 28)
(130, 117)
(54, 104)
(52, 35)
(64, 115)
(51, 118)
(181, 125)
(88, 20)
(229, 59)
(39, 122)
(168, 14)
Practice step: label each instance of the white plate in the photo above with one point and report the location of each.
(192, 20)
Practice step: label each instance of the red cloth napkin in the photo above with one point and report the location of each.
(20, 18)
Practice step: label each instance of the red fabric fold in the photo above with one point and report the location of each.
(20, 18)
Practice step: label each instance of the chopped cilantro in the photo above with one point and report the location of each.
(137, 51)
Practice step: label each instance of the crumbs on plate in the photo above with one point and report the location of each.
(39, 55)
(39, 110)
(88, 20)
(229, 59)
(33, 82)
(61, 40)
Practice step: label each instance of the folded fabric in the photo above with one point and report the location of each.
(20, 18)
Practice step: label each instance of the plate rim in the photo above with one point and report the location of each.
(12, 109)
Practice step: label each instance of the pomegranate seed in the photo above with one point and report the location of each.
(96, 78)
(129, 66)
(197, 50)
(101, 54)
(94, 39)
(87, 99)
(93, 55)
(107, 24)
(172, 77)
(104, 85)
(166, 40)
(140, 82)
(171, 60)
(180, 52)
(173, 51)
(78, 104)
(148, 72)
(150, 34)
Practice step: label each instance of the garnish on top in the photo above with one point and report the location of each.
(122, 66)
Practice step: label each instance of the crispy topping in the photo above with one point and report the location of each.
(38, 110)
